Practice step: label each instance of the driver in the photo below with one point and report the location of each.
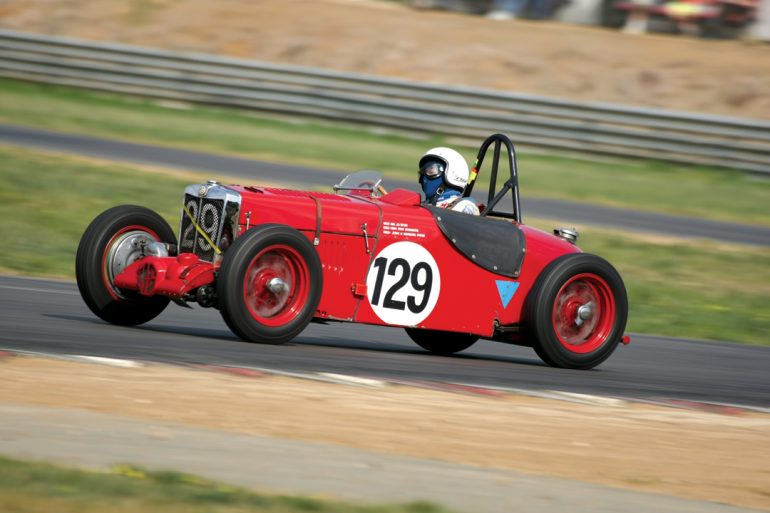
(443, 177)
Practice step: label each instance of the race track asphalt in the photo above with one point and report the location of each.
(49, 316)
(566, 213)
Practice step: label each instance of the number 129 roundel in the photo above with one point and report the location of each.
(403, 284)
(273, 260)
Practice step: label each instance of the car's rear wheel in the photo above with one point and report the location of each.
(441, 342)
(269, 284)
(113, 241)
(577, 311)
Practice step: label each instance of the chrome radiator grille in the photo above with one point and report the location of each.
(215, 210)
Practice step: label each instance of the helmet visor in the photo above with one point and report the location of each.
(431, 169)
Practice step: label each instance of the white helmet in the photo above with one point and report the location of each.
(455, 168)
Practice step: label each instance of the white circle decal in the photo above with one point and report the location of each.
(403, 284)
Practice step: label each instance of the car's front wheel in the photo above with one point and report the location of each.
(114, 240)
(577, 311)
(269, 284)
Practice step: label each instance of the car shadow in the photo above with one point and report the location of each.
(384, 347)
(174, 329)
(309, 341)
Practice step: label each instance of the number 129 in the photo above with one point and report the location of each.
(420, 277)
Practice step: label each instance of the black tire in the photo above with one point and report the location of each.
(441, 342)
(100, 258)
(576, 312)
(257, 313)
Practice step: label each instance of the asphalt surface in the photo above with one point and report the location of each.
(49, 316)
(566, 213)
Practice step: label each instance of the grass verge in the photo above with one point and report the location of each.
(694, 289)
(32, 487)
(640, 184)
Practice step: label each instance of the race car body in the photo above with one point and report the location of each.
(273, 260)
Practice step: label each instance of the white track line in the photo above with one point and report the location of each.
(44, 291)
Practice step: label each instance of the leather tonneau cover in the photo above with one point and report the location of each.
(494, 244)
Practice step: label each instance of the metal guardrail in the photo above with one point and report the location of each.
(418, 107)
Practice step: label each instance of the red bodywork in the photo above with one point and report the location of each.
(352, 230)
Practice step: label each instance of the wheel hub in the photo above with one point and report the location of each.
(124, 251)
(584, 313)
(271, 276)
(277, 286)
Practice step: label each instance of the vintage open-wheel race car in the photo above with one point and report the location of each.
(273, 260)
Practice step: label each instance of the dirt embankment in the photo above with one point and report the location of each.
(691, 454)
(389, 38)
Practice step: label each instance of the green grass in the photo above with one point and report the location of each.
(47, 202)
(692, 290)
(640, 184)
(27, 487)
(697, 290)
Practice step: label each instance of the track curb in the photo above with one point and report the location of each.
(370, 382)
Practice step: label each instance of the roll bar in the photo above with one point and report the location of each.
(512, 184)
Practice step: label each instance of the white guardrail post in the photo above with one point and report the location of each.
(413, 106)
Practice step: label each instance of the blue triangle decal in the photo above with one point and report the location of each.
(506, 289)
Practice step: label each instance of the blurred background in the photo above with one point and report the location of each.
(643, 123)
(563, 55)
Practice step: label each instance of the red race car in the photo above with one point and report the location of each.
(273, 260)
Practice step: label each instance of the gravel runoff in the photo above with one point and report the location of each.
(98, 441)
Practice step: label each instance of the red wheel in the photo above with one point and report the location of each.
(577, 311)
(583, 313)
(276, 285)
(112, 242)
(269, 284)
